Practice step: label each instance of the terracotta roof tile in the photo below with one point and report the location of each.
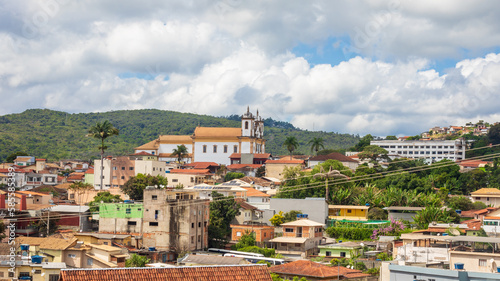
(189, 273)
(191, 171)
(312, 269)
(152, 145)
(241, 166)
(202, 165)
(486, 191)
(48, 243)
(285, 161)
(217, 132)
(255, 156)
(252, 192)
(334, 156)
(245, 205)
(142, 153)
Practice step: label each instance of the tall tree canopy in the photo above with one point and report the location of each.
(135, 186)
(180, 152)
(222, 211)
(316, 144)
(102, 131)
(291, 144)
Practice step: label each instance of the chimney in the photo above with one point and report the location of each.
(22, 205)
(2, 201)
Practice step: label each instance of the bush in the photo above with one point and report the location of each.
(349, 233)
(267, 252)
(377, 213)
(373, 271)
(232, 175)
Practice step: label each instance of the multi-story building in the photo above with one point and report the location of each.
(212, 144)
(170, 220)
(432, 150)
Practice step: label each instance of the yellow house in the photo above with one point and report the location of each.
(26, 269)
(51, 248)
(489, 196)
(346, 212)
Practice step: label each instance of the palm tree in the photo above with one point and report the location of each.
(316, 144)
(291, 144)
(180, 152)
(330, 174)
(102, 131)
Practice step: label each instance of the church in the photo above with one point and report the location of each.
(209, 144)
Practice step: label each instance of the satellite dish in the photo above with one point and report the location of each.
(455, 232)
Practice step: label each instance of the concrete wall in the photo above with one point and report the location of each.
(471, 261)
(315, 208)
(402, 216)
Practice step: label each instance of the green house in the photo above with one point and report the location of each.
(121, 210)
(341, 250)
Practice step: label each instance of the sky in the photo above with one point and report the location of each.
(379, 67)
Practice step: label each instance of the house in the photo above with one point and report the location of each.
(346, 212)
(198, 259)
(300, 237)
(468, 165)
(491, 225)
(249, 170)
(406, 272)
(275, 168)
(188, 177)
(33, 197)
(257, 198)
(212, 144)
(315, 208)
(105, 256)
(489, 211)
(249, 158)
(402, 213)
(53, 249)
(489, 196)
(341, 250)
(248, 214)
(211, 166)
(43, 177)
(72, 217)
(15, 267)
(89, 176)
(121, 218)
(231, 188)
(103, 238)
(315, 271)
(477, 254)
(263, 233)
(24, 160)
(346, 161)
(199, 273)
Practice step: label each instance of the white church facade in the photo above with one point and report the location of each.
(212, 144)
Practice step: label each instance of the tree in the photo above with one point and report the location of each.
(81, 188)
(102, 131)
(291, 216)
(222, 211)
(431, 213)
(460, 203)
(291, 144)
(13, 156)
(135, 186)
(232, 175)
(373, 153)
(103, 197)
(494, 134)
(316, 144)
(261, 172)
(391, 138)
(136, 260)
(41, 225)
(363, 142)
(246, 240)
(180, 152)
(277, 219)
(377, 213)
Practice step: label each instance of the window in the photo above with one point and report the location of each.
(115, 177)
(204, 149)
(154, 197)
(90, 261)
(192, 239)
(215, 149)
(72, 196)
(131, 223)
(246, 125)
(153, 223)
(122, 177)
(297, 244)
(482, 262)
(238, 233)
(349, 211)
(131, 168)
(235, 149)
(175, 180)
(199, 224)
(128, 211)
(289, 230)
(342, 254)
(71, 256)
(105, 243)
(54, 277)
(192, 225)
(225, 148)
(199, 238)
(328, 253)
(123, 168)
(115, 168)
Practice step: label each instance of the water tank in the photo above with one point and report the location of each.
(498, 269)
(459, 265)
(305, 216)
(128, 201)
(152, 249)
(458, 211)
(36, 259)
(25, 247)
(299, 216)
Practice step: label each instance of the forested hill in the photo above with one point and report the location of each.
(59, 135)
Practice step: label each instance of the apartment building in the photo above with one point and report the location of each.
(432, 150)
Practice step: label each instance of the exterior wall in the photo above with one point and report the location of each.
(491, 227)
(106, 172)
(211, 156)
(434, 149)
(74, 258)
(493, 200)
(114, 218)
(315, 208)
(262, 233)
(471, 261)
(402, 216)
(169, 147)
(147, 167)
(346, 213)
(337, 252)
(275, 170)
(122, 170)
(87, 196)
(174, 224)
(185, 179)
(89, 178)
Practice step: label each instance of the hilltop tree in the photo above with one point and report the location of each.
(291, 144)
(373, 153)
(316, 144)
(103, 197)
(13, 156)
(180, 152)
(102, 131)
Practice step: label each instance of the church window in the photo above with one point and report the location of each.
(204, 149)
(215, 149)
(225, 148)
(235, 149)
(246, 125)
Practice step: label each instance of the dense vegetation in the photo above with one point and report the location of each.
(58, 135)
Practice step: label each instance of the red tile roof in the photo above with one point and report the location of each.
(255, 156)
(245, 205)
(285, 161)
(191, 171)
(142, 153)
(308, 268)
(90, 171)
(189, 273)
(202, 165)
(241, 166)
(252, 192)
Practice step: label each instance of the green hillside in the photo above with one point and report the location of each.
(58, 135)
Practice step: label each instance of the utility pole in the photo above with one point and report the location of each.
(48, 222)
